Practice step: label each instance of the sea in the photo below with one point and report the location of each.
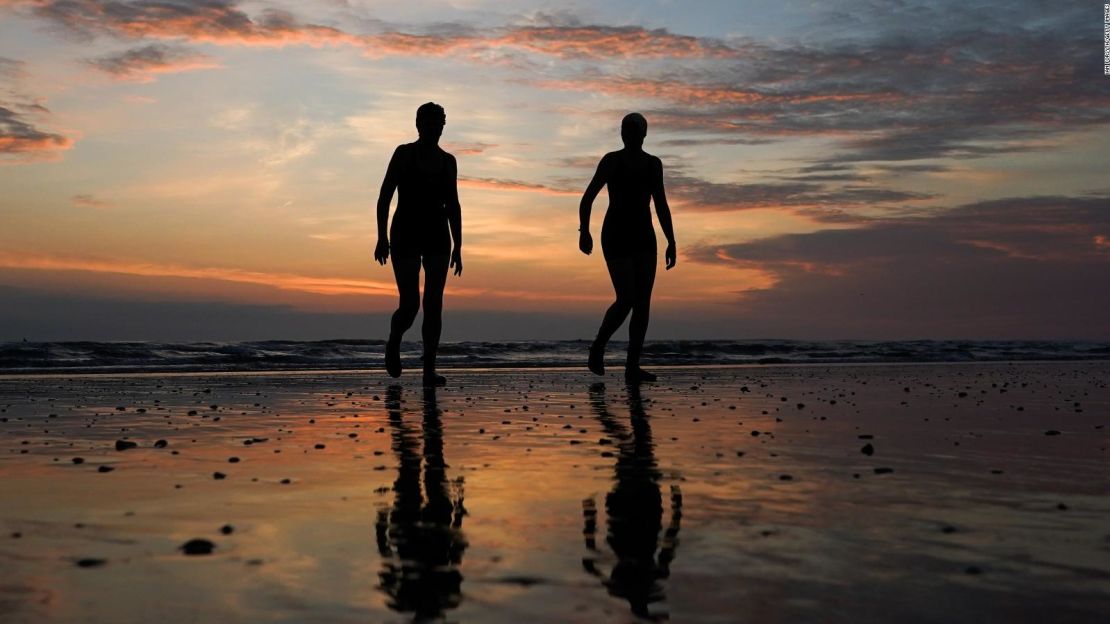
(274, 355)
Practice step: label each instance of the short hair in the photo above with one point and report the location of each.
(635, 124)
(430, 113)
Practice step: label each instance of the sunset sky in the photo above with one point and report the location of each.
(187, 170)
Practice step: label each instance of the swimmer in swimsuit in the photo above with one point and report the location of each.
(427, 220)
(634, 178)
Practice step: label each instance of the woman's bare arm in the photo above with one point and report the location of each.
(454, 213)
(600, 179)
(663, 211)
(385, 198)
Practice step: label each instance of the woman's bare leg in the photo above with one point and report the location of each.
(407, 273)
(435, 278)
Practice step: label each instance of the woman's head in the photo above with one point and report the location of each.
(633, 129)
(430, 119)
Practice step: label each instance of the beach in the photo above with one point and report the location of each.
(944, 492)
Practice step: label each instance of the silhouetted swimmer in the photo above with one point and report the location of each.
(635, 178)
(428, 218)
(420, 537)
(634, 510)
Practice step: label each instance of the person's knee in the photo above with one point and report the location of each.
(624, 302)
(409, 307)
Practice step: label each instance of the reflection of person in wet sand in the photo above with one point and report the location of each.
(428, 219)
(634, 508)
(635, 179)
(420, 538)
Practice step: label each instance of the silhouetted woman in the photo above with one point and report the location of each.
(635, 178)
(427, 220)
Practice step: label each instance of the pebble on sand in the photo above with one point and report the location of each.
(218, 475)
(123, 445)
(161, 444)
(90, 562)
(105, 469)
(867, 449)
(198, 546)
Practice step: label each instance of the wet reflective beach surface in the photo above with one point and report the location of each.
(909, 493)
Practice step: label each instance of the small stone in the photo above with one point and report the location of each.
(1052, 432)
(227, 529)
(197, 546)
(233, 460)
(883, 470)
(90, 562)
(161, 444)
(123, 445)
(104, 469)
(78, 460)
(867, 449)
(218, 475)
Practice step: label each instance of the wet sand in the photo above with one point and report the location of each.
(843, 493)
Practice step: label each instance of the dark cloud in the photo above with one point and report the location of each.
(21, 138)
(143, 62)
(704, 195)
(893, 88)
(1019, 268)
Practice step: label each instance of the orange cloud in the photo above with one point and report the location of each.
(607, 42)
(718, 95)
(283, 281)
(222, 22)
(496, 184)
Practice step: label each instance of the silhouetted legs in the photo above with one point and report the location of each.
(633, 278)
(407, 273)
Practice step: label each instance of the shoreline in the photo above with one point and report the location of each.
(80, 372)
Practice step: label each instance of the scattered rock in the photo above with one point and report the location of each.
(198, 546)
(123, 445)
(867, 449)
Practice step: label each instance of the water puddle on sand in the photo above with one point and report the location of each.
(955, 492)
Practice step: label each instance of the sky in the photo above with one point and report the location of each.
(207, 170)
